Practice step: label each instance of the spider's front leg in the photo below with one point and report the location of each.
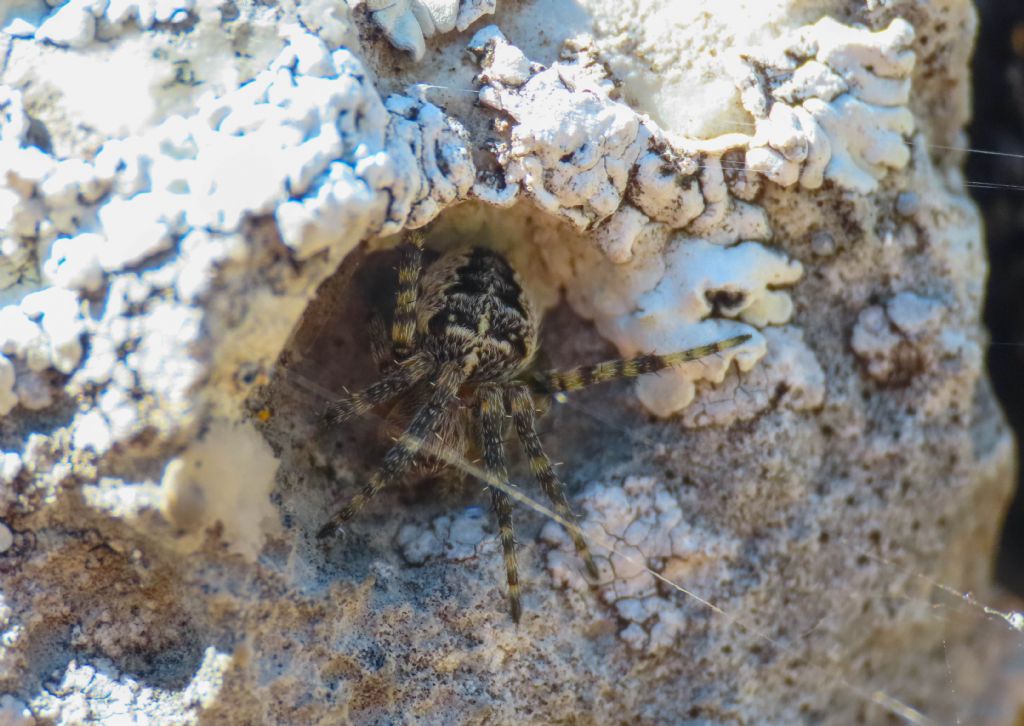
(492, 414)
(403, 325)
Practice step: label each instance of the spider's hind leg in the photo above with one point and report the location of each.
(402, 455)
(522, 406)
(492, 413)
(398, 379)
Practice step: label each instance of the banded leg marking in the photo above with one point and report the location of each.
(380, 344)
(403, 325)
(402, 454)
(583, 376)
(522, 407)
(398, 379)
(492, 413)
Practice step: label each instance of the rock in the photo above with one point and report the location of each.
(802, 531)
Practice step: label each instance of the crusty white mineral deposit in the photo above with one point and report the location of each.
(197, 205)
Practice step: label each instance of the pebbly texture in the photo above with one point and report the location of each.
(185, 190)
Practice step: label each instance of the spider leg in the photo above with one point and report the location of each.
(583, 376)
(492, 412)
(395, 380)
(403, 325)
(380, 344)
(522, 407)
(402, 454)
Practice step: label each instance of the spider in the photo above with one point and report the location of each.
(462, 340)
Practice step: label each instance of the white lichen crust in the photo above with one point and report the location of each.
(407, 23)
(600, 165)
(830, 103)
(641, 533)
(179, 183)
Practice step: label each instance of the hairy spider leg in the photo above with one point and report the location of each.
(403, 325)
(396, 380)
(492, 414)
(583, 376)
(522, 407)
(402, 454)
(380, 343)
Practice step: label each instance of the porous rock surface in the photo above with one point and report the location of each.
(196, 201)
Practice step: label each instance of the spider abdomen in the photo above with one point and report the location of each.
(472, 307)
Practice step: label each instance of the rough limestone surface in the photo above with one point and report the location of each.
(197, 205)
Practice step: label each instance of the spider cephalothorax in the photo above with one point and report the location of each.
(462, 338)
